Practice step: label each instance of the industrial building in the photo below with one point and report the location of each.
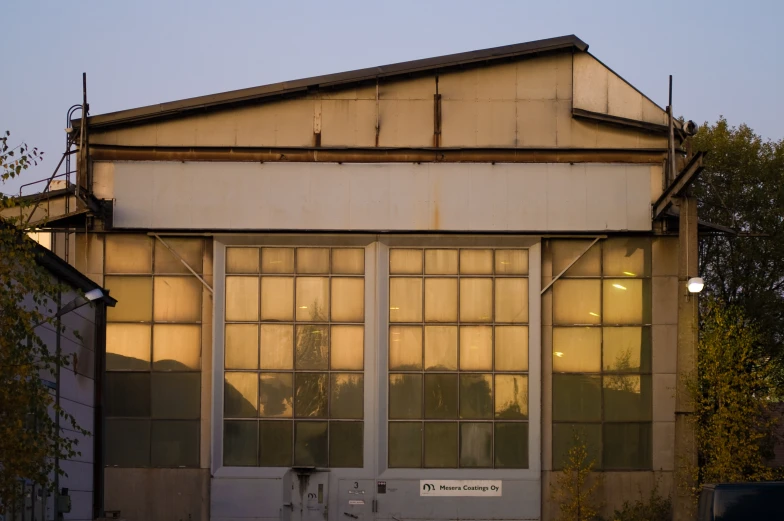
(392, 293)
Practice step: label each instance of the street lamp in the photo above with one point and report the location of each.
(695, 284)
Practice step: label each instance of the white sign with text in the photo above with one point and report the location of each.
(460, 487)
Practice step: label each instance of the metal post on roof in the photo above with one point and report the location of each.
(671, 141)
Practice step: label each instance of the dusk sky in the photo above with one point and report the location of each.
(725, 56)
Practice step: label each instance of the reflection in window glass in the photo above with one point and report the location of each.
(405, 396)
(189, 250)
(440, 348)
(175, 444)
(240, 443)
(476, 445)
(242, 260)
(511, 348)
(441, 445)
(476, 348)
(511, 262)
(440, 396)
(511, 442)
(128, 395)
(242, 299)
(312, 260)
(310, 395)
(511, 396)
(312, 347)
(134, 299)
(129, 443)
(128, 347)
(276, 346)
(277, 260)
(476, 300)
(626, 349)
(577, 349)
(476, 262)
(627, 397)
(440, 300)
(347, 347)
(312, 299)
(277, 298)
(275, 395)
(346, 395)
(564, 439)
(405, 444)
(405, 262)
(577, 301)
(476, 396)
(128, 254)
(310, 444)
(625, 301)
(275, 448)
(577, 397)
(440, 262)
(626, 257)
(631, 446)
(345, 444)
(405, 348)
(566, 252)
(511, 300)
(177, 299)
(240, 394)
(405, 300)
(348, 299)
(177, 347)
(348, 261)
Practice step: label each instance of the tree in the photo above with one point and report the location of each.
(30, 439)
(575, 488)
(742, 187)
(733, 392)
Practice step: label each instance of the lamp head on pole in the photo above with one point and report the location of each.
(695, 284)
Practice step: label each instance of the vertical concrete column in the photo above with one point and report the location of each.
(686, 364)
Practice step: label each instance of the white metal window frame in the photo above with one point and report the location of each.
(376, 351)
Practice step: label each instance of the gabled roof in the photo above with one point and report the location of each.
(236, 97)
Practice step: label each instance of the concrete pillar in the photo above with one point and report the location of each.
(686, 365)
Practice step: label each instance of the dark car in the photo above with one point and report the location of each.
(742, 502)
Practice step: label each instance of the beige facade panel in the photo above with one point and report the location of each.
(598, 89)
(537, 123)
(406, 123)
(400, 196)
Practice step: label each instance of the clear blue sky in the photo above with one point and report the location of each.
(725, 56)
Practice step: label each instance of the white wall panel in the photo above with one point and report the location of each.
(379, 197)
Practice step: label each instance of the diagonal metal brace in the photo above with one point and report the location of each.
(184, 263)
(684, 179)
(572, 263)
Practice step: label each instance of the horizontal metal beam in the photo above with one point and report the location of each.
(684, 179)
(376, 155)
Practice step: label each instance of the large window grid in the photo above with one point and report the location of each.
(601, 343)
(458, 358)
(294, 357)
(153, 352)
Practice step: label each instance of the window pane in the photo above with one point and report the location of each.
(176, 347)
(346, 395)
(440, 396)
(127, 347)
(627, 349)
(441, 300)
(240, 443)
(511, 348)
(134, 299)
(576, 398)
(312, 299)
(350, 261)
(348, 299)
(176, 396)
(275, 395)
(577, 301)
(476, 445)
(441, 445)
(127, 443)
(476, 262)
(345, 444)
(627, 257)
(577, 349)
(441, 348)
(626, 301)
(347, 347)
(310, 395)
(405, 348)
(476, 300)
(240, 393)
(242, 260)
(476, 396)
(404, 262)
(312, 347)
(276, 349)
(405, 396)
(242, 299)
(405, 445)
(275, 439)
(566, 251)
(627, 446)
(312, 260)
(564, 439)
(189, 250)
(476, 348)
(511, 396)
(405, 300)
(178, 299)
(627, 398)
(511, 300)
(310, 448)
(175, 444)
(441, 262)
(511, 262)
(128, 254)
(277, 260)
(511, 445)
(277, 298)
(242, 342)
(128, 394)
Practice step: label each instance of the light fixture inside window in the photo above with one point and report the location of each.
(695, 284)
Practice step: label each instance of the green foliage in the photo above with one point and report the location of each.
(30, 439)
(742, 187)
(652, 508)
(576, 486)
(733, 393)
